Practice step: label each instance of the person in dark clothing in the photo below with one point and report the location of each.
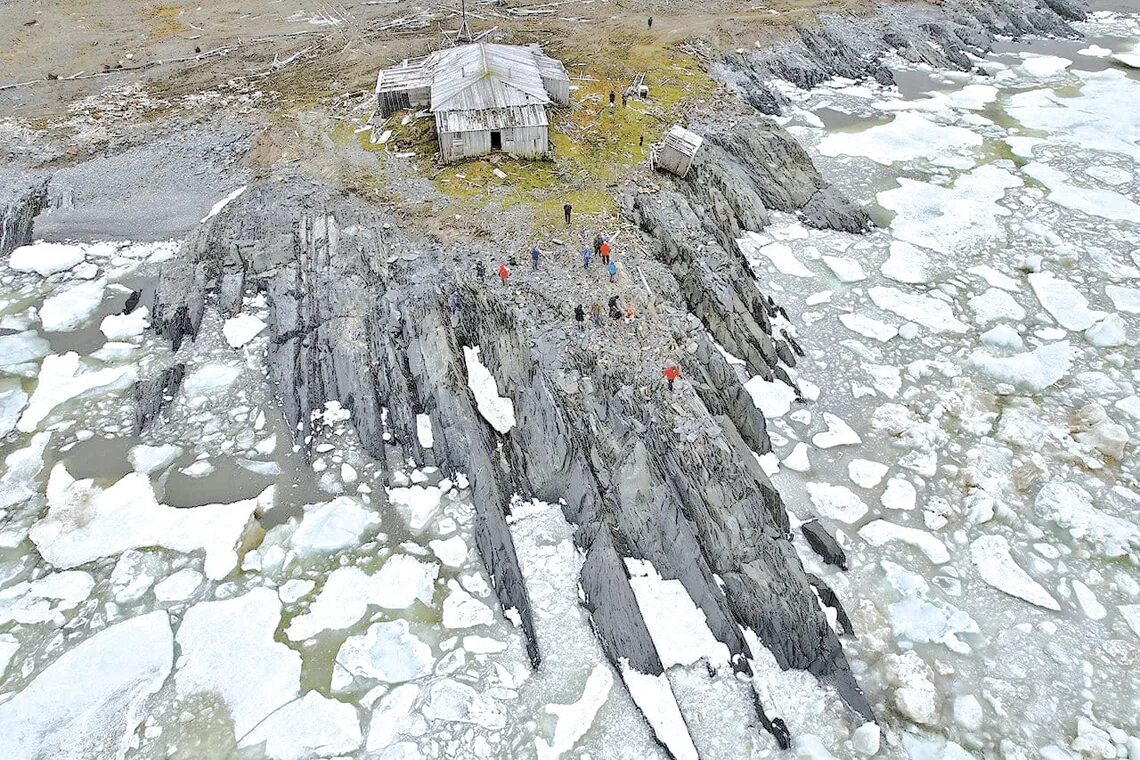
(566, 209)
(624, 100)
(453, 302)
(615, 310)
(598, 240)
(613, 97)
(641, 141)
(480, 269)
(650, 22)
(580, 317)
(596, 314)
(534, 254)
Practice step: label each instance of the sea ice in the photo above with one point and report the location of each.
(333, 525)
(147, 459)
(780, 254)
(772, 397)
(869, 327)
(798, 459)
(62, 380)
(925, 310)
(123, 327)
(72, 308)
(836, 502)
(9, 645)
(12, 401)
(677, 626)
(1108, 332)
(418, 504)
(228, 650)
(906, 263)
(424, 431)
(1124, 299)
(1070, 508)
(845, 270)
(865, 473)
(210, 379)
(312, 726)
(85, 521)
(907, 137)
(994, 278)
(915, 695)
(879, 532)
(1044, 66)
(1095, 51)
(387, 652)
(242, 329)
(1063, 301)
(389, 716)
(1094, 201)
(654, 697)
(1034, 371)
(456, 702)
(838, 433)
(990, 554)
(575, 719)
(994, 305)
(91, 699)
(1092, 607)
(46, 258)
(179, 586)
(42, 600)
(450, 551)
(20, 352)
(899, 494)
(1003, 337)
(498, 410)
(461, 610)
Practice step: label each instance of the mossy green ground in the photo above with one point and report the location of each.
(595, 144)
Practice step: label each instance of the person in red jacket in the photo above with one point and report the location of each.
(671, 373)
(504, 273)
(604, 250)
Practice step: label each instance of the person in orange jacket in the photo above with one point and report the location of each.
(504, 273)
(671, 373)
(604, 250)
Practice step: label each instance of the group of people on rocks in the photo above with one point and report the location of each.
(601, 249)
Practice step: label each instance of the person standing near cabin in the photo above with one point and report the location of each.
(504, 273)
(671, 373)
(567, 208)
(612, 268)
(534, 254)
(586, 256)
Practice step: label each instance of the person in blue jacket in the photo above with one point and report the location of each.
(613, 271)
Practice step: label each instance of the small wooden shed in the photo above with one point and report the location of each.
(676, 155)
(484, 97)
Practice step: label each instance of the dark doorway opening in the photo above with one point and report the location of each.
(496, 141)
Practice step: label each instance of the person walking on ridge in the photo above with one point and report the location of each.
(504, 273)
(480, 269)
(612, 268)
(534, 254)
(586, 256)
(604, 250)
(567, 208)
(596, 314)
(671, 373)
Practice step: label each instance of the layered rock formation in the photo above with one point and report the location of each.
(854, 47)
(22, 197)
(359, 314)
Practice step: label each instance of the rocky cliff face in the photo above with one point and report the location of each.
(359, 314)
(22, 197)
(853, 47)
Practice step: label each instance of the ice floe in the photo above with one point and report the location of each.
(838, 433)
(1033, 371)
(387, 652)
(925, 310)
(85, 521)
(90, 700)
(228, 651)
(996, 566)
(836, 502)
(46, 258)
(677, 626)
(879, 532)
(907, 137)
(1070, 507)
(72, 308)
(772, 397)
(575, 719)
(461, 610)
(312, 726)
(241, 329)
(124, 327)
(333, 525)
(62, 379)
(906, 263)
(390, 716)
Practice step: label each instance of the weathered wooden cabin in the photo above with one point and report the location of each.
(676, 155)
(484, 97)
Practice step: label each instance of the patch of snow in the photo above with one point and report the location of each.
(654, 697)
(498, 410)
(677, 626)
(217, 207)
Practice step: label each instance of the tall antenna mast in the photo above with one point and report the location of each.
(463, 36)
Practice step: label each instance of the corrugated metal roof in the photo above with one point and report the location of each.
(411, 74)
(490, 119)
(475, 77)
(684, 141)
